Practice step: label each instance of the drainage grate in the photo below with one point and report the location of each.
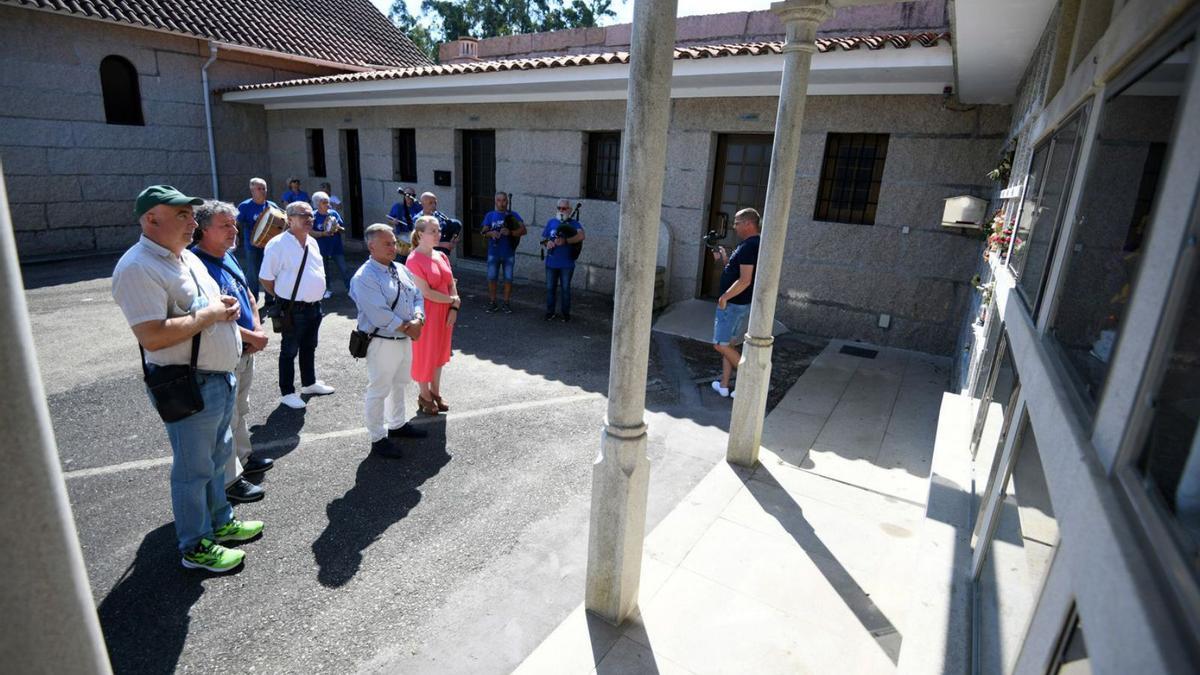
(859, 351)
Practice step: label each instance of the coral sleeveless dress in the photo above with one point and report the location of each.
(433, 349)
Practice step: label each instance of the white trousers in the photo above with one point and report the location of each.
(241, 408)
(389, 363)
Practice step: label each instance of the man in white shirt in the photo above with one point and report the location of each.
(294, 273)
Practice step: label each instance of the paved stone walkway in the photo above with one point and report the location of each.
(800, 565)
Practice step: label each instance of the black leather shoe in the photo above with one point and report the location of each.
(257, 464)
(385, 448)
(242, 491)
(407, 431)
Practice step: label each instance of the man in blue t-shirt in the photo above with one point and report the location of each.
(215, 238)
(404, 212)
(502, 241)
(247, 215)
(733, 307)
(294, 193)
(560, 263)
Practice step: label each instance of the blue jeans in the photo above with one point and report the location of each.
(302, 340)
(252, 258)
(200, 447)
(339, 259)
(555, 278)
(495, 264)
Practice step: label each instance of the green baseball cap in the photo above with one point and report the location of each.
(162, 194)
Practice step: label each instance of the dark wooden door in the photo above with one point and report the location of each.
(739, 181)
(479, 188)
(354, 191)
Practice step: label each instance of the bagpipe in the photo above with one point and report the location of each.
(566, 230)
(451, 228)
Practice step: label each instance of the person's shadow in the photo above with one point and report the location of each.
(384, 491)
(145, 617)
(279, 434)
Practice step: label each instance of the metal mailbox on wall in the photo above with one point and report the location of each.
(964, 212)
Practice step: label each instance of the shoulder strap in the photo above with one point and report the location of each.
(299, 272)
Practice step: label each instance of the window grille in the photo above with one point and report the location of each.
(603, 165)
(850, 177)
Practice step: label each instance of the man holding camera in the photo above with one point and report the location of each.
(294, 273)
(216, 237)
(176, 310)
(560, 265)
(733, 306)
(392, 311)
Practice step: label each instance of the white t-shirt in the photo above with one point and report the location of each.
(281, 260)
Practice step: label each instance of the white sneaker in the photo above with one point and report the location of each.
(293, 400)
(319, 388)
(328, 295)
(733, 394)
(722, 391)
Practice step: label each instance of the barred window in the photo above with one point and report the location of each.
(603, 164)
(316, 152)
(850, 178)
(404, 155)
(122, 94)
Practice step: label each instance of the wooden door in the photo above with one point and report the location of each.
(740, 181)
(479, 188)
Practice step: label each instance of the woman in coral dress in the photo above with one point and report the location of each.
(431, 271)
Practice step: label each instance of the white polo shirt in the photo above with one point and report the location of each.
(150, 283)
(281, 261)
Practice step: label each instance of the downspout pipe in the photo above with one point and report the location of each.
(208, 123)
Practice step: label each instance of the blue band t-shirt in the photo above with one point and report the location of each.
(328, 245)
(229, 276)
(559, 257)
(248, 213)
(501, 247)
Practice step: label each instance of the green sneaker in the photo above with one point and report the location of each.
(212, 557)
(238, 530)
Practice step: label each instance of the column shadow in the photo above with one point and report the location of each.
(795, 524)
(146, 616)
(384, 492)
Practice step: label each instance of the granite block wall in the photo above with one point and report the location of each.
(72, 177)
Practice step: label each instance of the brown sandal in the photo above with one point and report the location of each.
(427, 406)
(441, 405)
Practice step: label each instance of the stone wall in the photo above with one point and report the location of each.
(837, 279)
(71, 177)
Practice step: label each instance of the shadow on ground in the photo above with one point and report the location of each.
(384, 492)
(145, 631)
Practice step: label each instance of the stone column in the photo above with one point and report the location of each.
(50, 620)
(620, 474)
(754, 372)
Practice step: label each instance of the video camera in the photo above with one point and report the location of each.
(712, 240)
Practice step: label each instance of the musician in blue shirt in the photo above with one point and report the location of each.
(560, 259)
(327, 230)
(404, 212)
(501, 252)
(294, 193)
(215, 238)
(247, 215)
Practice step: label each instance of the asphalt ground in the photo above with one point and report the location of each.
(460, 557)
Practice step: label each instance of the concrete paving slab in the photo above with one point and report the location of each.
(693, 319)
(818, 390)
(670, 542)
(631, 658)
(791, 436)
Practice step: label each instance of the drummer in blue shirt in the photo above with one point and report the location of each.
(327, 230)
(404, 212)
(560, 265)
(248, 213)
(501, 254)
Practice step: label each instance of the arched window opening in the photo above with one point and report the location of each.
(122, 96)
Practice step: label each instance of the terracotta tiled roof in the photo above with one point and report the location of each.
(348, 32)
(848, 43)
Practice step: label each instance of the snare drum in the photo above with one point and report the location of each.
(271, 222)
(403, 244)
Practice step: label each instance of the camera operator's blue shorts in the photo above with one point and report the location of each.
(494, 265)
(729, 320)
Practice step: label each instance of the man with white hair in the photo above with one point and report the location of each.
(186, 328)
(392, 311)
(248, 213)
(294, 273)
(216, 238)
(559, 241)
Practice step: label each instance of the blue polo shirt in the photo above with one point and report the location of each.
(502, 247)
(248, 213)
(559, 257)
(229, 276)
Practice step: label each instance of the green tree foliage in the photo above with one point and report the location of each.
(444, 20)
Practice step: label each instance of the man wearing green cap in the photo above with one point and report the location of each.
(171, 302)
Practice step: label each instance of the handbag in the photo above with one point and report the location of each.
(174, 389)
(360, 340)
(281, 317)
